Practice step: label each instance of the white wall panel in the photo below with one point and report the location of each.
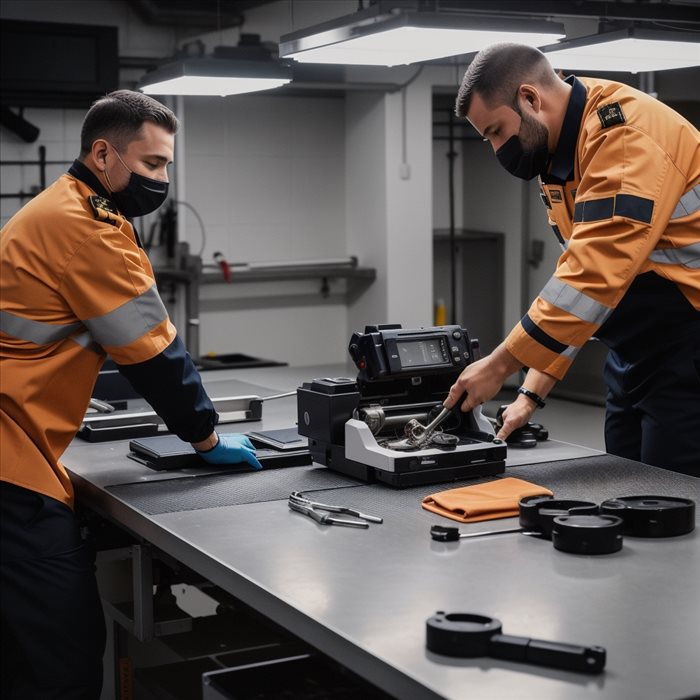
(267, 176)
(493, 201)
(301, 336)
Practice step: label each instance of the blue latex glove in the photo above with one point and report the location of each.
(231, 449)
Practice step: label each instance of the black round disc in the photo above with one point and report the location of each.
(537, 513)
(587, 534)
(652, 516)
(460, 634)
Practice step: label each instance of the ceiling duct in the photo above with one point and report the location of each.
(204, 14)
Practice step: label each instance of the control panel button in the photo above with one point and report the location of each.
(456, 335)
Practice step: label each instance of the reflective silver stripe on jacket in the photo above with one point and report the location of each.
(38, 332)
(565, 297)
(85, 340)
(570, 352)
(688, 256)
(688, 203)
(130, 321)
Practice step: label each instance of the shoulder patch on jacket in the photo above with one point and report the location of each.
(103, 209)
(611, 114)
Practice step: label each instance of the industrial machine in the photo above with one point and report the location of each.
(389, 424)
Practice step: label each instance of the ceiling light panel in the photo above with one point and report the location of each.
(408, 38)
(215, 76)
(629, 50)
(207, 85)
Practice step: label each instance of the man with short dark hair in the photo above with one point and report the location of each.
(620, 177)
(75, 286)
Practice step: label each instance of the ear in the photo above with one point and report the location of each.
(529, 97)
(99, 153)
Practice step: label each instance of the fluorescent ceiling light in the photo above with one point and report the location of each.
(632, 50)
(215, 76)
(408, 37)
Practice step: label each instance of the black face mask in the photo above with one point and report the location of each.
(521, 163)
(141, 196)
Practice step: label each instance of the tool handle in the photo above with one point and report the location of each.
(434, 424)
(456, 410)
(305, 510)
(364, 516)
(570, 657)
(347, 510)
(438, 420)
(332, 520)
(491, 532)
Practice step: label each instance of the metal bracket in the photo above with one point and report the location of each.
(142, 624)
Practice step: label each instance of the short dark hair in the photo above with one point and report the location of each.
(498, 71)
(118, 117)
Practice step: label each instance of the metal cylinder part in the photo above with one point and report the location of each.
(378, 420)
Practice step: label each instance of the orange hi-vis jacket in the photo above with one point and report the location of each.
(75, 286)
(623, 197)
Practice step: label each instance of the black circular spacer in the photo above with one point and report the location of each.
(442, 533)
(587, 534)
(460, 634)
(537, 513)
(652, 516)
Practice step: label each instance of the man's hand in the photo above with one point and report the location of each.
(482, 380)
(515, 416)
(521, 410)
(231, 449)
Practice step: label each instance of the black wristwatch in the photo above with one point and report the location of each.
(539, 401)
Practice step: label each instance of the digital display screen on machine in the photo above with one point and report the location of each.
(422, 353)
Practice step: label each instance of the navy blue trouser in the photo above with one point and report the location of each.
(53, 630)
(653, 407)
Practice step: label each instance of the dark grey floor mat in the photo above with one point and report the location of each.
(588, 478)
(213, 491)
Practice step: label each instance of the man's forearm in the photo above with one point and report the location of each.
(482, 379)
(504, 363)
(539, 382)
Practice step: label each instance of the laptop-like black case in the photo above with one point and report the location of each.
(169, 452)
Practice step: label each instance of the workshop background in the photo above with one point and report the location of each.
(350, 196)
(348, 191)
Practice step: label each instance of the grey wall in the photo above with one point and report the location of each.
(267, 175)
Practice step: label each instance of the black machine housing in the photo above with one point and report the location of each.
(403, 374)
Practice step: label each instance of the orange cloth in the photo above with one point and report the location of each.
(470, 504)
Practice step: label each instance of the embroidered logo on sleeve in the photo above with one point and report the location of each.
(103, 209)
(555, 195)
(611, 114)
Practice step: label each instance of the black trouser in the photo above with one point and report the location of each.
(653, 406)
(53, 631)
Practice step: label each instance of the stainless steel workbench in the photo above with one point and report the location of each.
(363, 596)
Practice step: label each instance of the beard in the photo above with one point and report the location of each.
(533, 135)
